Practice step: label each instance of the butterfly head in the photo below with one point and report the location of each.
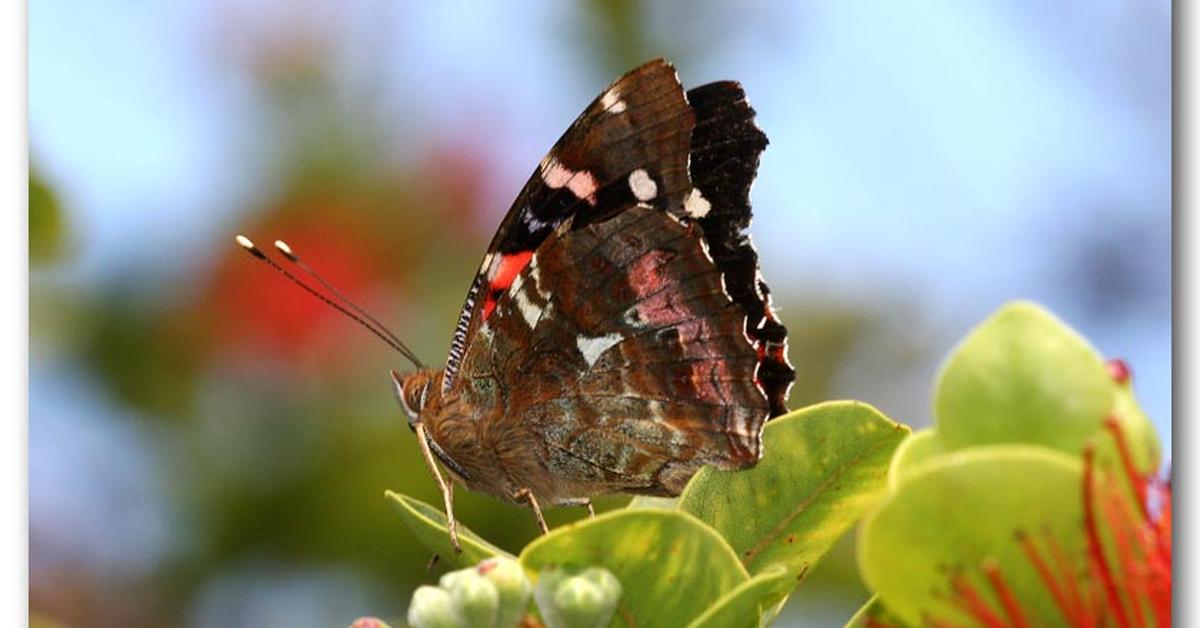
(415, 390)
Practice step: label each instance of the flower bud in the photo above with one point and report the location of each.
(474, 595)
(432, 607)
(577, 599)
(512, 585)
(369, 622)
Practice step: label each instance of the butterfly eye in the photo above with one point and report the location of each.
(412, 410)
(412, 398)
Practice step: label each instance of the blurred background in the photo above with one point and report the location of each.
(209, 446)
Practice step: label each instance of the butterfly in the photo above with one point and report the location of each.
(619, 334)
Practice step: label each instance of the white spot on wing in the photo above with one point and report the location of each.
(593, 347)
(530, 311)
(696, 205)
(535, 273)
(643, 187)
(611, 102)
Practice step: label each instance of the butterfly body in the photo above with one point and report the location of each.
(619, 334)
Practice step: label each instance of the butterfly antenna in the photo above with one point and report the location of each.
(383, 335)
(291, 256)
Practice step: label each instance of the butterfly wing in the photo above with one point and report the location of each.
(620, 348)
(725, 149)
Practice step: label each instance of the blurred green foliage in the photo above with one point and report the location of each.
(47, 225)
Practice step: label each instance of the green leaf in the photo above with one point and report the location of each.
(923, 446)
(428, 524)
(743, 606)
(959, 511)
(822, 468)
(669, 563)
(872, 614)
(1022, 376)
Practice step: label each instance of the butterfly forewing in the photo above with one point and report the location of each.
(641, 121)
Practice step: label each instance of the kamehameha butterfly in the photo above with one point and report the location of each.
(619, 334)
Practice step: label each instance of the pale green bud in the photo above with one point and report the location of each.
(512, 585)
(475, 596)
(432, 607)
(577, 599)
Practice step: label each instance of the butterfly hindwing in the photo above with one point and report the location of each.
(619, 347)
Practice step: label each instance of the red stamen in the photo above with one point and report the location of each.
(1136, 480)
(1082, 613)
(1121, 523)
(1162, 528)
(1095, 549)
(1011, 608)
(974, 604)
(1043, 570)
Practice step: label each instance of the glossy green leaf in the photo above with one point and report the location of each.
(670, 565)
(822, 468)
(960, 510)
(428, 524)
(1022, 376)
(743, 606)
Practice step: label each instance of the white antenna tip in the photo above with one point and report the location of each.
(244, 242)
(284, 248)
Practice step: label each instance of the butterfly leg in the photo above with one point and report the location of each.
(586, 502)
(527, 495)
(446, 489)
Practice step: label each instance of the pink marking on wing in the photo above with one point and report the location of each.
(645, 273)
(695, 330)
(555, 174)
(661, 309)
(581, 183)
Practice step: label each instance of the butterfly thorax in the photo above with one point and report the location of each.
(471, 440)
